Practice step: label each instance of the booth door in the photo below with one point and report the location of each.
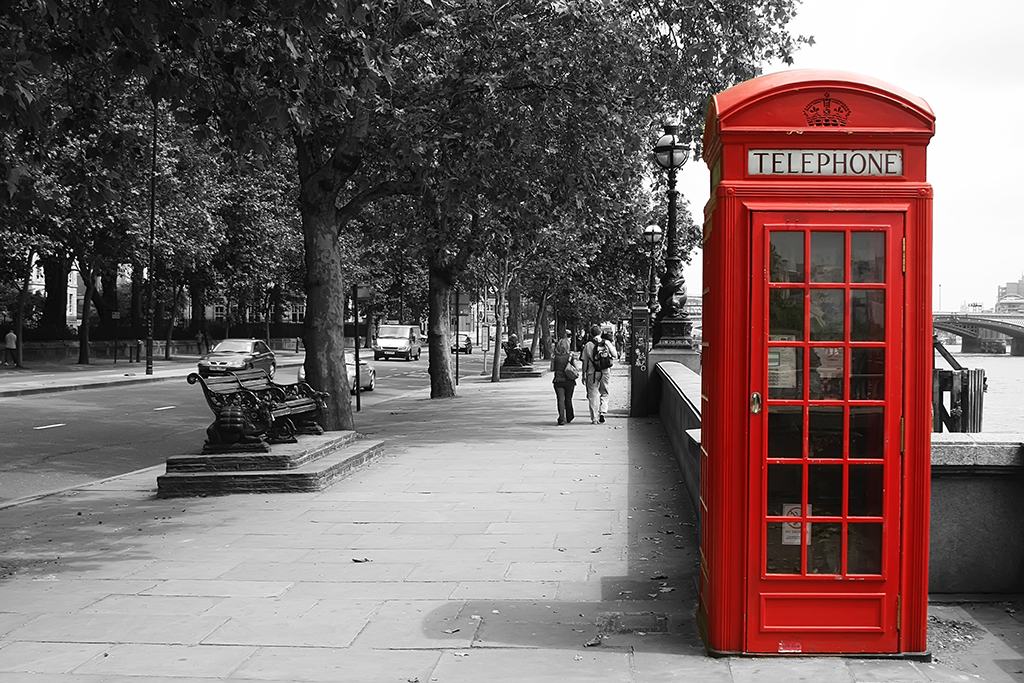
(825, 423)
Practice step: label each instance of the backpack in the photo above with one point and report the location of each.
(602, 355)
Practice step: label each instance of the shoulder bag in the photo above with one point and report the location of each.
(572, 373)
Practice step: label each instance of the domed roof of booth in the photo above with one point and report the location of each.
(733, 102)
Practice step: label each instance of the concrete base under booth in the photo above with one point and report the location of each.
(977, 493)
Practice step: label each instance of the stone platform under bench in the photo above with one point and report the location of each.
(311, 464)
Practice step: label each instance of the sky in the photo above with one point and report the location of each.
(963, 58)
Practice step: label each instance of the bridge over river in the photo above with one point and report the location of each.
(979, 331)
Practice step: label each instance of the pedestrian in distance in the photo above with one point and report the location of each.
(11, 348)
(581, 341)
(598, 358)
(563, 364)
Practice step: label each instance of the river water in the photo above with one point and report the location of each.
(1002, 408)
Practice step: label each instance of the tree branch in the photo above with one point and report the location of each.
(385, 189)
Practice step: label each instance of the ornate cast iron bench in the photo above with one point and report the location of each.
(250, 410)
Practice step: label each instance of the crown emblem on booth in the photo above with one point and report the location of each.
(827, 112)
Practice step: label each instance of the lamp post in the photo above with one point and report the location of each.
(652, 235)
(672, 326)
(150, 273)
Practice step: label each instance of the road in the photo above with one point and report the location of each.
(55, 441)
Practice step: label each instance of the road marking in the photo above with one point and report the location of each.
(164, 408)
(59, 424)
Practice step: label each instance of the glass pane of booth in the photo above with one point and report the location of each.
(825, 432)
(825, 553)
(866, 488)
(867, 257)
(825, 490)
(867, 432)
(786, 432)
(826, 372)
(867, 315)
(785, 372)
(828, 256)
(864, 548)
(785, 488)
(828, 317)
(867, 374)
(786, 315)
(782, 555)
(787, 256)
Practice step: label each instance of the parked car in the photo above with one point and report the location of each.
(461, 343)
(367, 374)
(397, 341)
(238, 354)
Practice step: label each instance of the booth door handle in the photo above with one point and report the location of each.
(755, 403)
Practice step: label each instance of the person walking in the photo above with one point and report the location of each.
(563, 382)
(598, 357)
(11, 348)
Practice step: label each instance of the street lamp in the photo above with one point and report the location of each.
(652, 235)
(672, 326)
(150, 273)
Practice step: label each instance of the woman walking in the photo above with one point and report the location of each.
(564, 384)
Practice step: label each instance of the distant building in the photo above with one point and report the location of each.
(1010, 298)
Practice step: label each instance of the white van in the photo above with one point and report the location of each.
(397, 341)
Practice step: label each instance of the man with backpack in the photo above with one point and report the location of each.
(598, 357)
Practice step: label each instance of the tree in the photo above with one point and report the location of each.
(466, 104)
(548, 107)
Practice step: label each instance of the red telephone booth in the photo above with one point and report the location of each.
(817, 366)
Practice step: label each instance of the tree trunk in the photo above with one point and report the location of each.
(366, 339)
(499, 318)
(197, 297)
(540, 345)
(515, 312)
(277, 304)
(175, 300)
(106, 298)
(159, 310)
(441, 368)
(19, 315)
(324, 323)
(54, 321)
(83, 330)
(138, 313)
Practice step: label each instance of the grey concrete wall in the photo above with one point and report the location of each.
(977, 543)
(977, 493)
(679, 408)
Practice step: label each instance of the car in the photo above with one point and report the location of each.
(397, 341)
(238, 354)
(367, 373)
(461, 343)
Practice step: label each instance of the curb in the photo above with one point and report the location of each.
(84, 383)
(78, 387)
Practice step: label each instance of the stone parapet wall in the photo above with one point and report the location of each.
(977, 506)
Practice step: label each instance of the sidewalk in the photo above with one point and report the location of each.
(487, 545)
(41, 377)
